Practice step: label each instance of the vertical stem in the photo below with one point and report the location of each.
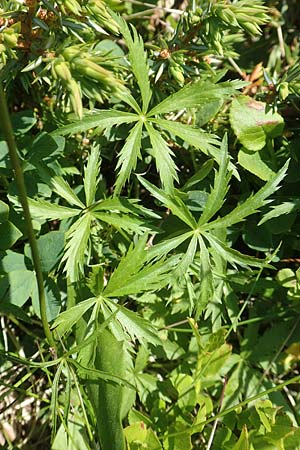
(19, 177)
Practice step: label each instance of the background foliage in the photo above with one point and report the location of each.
(159, 143)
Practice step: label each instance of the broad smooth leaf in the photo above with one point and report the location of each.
(252, 124)
(53, 299)
(4, 212)
(9, 234)
(138, 435)
(105, 397)
(252, 204)
(17, 286)
(97, 118)
(254, 163)
(50, 248)
(128, 156)
(91, 173)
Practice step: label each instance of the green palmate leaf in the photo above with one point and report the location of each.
(91, 173)
(136, 326)
(217, 195)
(252, 124)
(207, 143)
(174, 203)
(130, 277)
(138, 59)
(166, 246)
(252, 204)
(152, 277)
(196, 94)
(65, 321)
(234, 257)
(132, 224)
(130, 264)
(193, 136)
(163, 158)
(128, 156)
(130, 100)
(188, 258)
(206, 279)
(45, 210)
(125, 205)
(64, 190)
(279, 210)
(98, 118)
(77, 240)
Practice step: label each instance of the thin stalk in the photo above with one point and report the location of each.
(19, 177)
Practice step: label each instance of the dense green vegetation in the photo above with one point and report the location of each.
(149, 225)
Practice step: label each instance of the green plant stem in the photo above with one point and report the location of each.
(19, 177)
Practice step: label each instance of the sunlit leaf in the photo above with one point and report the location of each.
(65, 321)
(282, 209)
(97, 118)
(253, 124)
(136, 326)
(128, 156)
(234, 257)
(91, 173)
(252, 204)
(163, 158)
(77, 240)
(217, 195)
(138, 59)
(196, 94)
(173, 202)
(45, 210)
